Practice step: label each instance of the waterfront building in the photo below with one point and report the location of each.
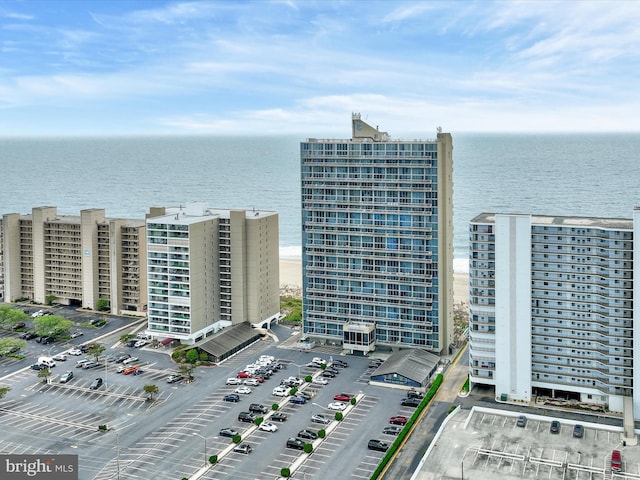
(74, 260)
(551, 308)
(210, 268)
(377, 238)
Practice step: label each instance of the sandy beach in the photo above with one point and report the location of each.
(291, 279)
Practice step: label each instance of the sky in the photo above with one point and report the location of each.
(303, 67)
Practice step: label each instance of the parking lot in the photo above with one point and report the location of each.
(172, 436)
(490, 443)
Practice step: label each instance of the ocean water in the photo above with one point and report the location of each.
(553, 174)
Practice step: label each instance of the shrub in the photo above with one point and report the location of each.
(285, 472)
(204, 356)
(293, 391)
(213, 459)
(353, 400)
(308, 448)
(236, 439)
(192, 356)
(275, 407)
(258, 420)
(308, 378)
(322, 433)
(102, 427)
(339, 416)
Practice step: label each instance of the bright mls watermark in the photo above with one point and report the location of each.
(50, 467)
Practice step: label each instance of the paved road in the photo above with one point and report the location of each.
(405, 463)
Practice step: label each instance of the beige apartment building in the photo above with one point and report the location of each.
(210, 268)
(76, 260)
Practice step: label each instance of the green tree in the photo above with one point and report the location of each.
(9, 316)
(126, 337)
(192, 356)
(4, 391)
(96, 350)
(186, 369)
(102, 305)
(150, 390)
(49, 299)
(45, 374)
(9, 345)
(53, 325)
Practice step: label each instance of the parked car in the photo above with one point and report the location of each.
(258, 408)
(318, 418)
(89, 365)
(28, 335)
(243, 389)
(140, 343)
(555, 426)
(281, 391)
(340, 363)
(96, 384)
(66, 376)
(398, 420)
(251, 382)
(228, 432)
(81, 363)
(616, 461)
(268, 427)
(244, 374)
(122, 357)
(296, 443)
(75, 352)
(321, 381)
(415, 394)
(337, 406)
(247, 417)
(37, 366)
(77, 333)
(392, 430)
(578, 431)
(342, 397)
(19, 325)
(299, 400)
(232, 397)
(130, 370)
(174, 378)
(328, 374)
(522, 421)
(410, 402)
(308, 434)
(243, 448)
(278, 417)
(233, 381)
(130, 360)
(378, 445)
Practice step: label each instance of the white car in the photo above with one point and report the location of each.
(75, 352)
(321, 381)
(37, 314)
(130, 360)
(268, 427)
(140, 343)
(234, 381)
(243, 389)
(319, 360)
(337, 406)
(251, 382)
(61, 357)
(76, 334)
(281, 391)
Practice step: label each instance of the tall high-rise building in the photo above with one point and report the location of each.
(551, 304)
(75, 260)
(210, 268)
(377, 238)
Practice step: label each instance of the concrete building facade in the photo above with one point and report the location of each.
(210, 268)
(377, 238)
(551, 308)
(74, 260)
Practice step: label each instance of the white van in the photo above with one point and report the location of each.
(143, 336)
(47, 362)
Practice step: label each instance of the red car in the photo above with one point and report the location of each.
(398, 420)
(342, 397)
(244, 374)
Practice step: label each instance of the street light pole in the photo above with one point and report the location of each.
(205, 447)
